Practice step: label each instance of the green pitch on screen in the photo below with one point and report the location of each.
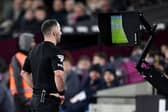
(118, 34)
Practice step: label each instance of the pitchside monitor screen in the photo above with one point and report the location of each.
(119, 28)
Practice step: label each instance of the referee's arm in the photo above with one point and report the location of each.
(59, 80)
(57, 66)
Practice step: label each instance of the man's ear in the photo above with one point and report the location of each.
(53, 33)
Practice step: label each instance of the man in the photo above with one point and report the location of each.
(101, 58)
(45, 62)
(71, 78)
(95, 81)
(20, 90)
(110, 79)
(82, 69)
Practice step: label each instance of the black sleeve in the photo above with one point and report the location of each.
(57, 61)
(27, 65)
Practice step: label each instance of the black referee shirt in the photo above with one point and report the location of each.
(41, 62)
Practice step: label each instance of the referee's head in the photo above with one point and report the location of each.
(51, 30)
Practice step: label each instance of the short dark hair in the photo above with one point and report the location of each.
(40, 8)
(47, 26)
(96, 68)
(84, 57)
(101, 55)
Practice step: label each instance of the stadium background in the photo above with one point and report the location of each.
(78, 19)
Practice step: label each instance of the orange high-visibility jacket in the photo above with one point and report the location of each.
(20, 57)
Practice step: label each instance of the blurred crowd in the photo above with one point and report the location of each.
(82, 80)
(27, 15)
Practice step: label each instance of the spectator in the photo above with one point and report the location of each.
(72, 86)
(69, 5)
(164, 52)
(16, 11)
(136, 53)
(12, 18)
(82, 68)
(101, 59)
(40, 16)
(93, 5)
(94, 81)
(27, 4)
(158, 61)
(27, 24)
(84, 63)
(79, 14)
(37, 3)
(110, 78)
(164, 49)
(6, 102)
(58, 12)
(105, 6)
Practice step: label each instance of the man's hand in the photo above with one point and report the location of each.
(58, 96)
(27, 77)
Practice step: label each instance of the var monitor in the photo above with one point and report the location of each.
(119, 28)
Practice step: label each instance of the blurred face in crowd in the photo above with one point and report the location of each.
(93, 4)
(67, 66)
(108, 77)
(99, 60)
(69, 4)
(29, 15)
(94, 75)
(92, 1)
(28, 4)
(137, 51)
(79, 10)
(157, 62)
(149, 59)
(104, 6)
(164, 49)
(17, 4)
(37, 3)
(58, 5)
(84, 64)
(40, 14)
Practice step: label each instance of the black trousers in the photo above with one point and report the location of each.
(19, 106)
(51, 104)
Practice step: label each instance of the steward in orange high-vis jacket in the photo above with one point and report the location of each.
(20, 90)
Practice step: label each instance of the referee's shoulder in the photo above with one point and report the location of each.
(56, 50)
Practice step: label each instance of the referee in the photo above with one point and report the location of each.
(43, 70)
